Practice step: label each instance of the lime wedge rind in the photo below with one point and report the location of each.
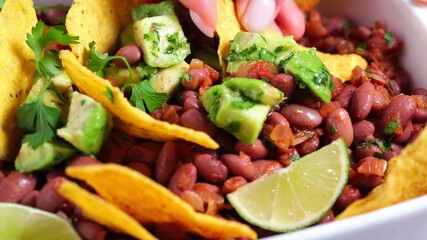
(22, 222)
(256, 210)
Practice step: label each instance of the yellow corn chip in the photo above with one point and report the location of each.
(405, 179)
(16, 70)
(100, 21)
(339, 65)
(149, 202)
(129, 119)
(103, 212)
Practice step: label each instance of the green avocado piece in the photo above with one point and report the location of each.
(167, 80)
(256, 90)
(162, 40)
(88, 124)
(43, 157)
(127, 36)
(252, 47)
(152, 10)
(310, 72)
(235, 112)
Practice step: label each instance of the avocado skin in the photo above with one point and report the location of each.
(88, 124)
(233, 107)
(309, 71)
(43, 157)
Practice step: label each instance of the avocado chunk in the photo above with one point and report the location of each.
(43, 157)
(127, 36)
(167, 80)
(88, 124)
(152, 10)
(310, 72)
(162, 40)
(237, 112)
(250, 47)
(256, 90)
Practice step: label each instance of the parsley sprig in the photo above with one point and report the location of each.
(144, 96)
(35, 116)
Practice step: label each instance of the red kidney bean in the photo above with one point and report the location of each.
(183, 179)
(232, 184)
(170, 231)
(196, 120)
(381, 99)
(91, 230)
(192, 103)
(420, 115)
(401, 108)
(131, 53)
(52, 16)
(405, 135)
(364, 152)
(394, 88)
(83, 160)
(115, 148)
(2, 175)
(367, 181)
(363, 32)
(285, 157)
(166, 163)
(345, 47)
(15, 186)
(363, 130)
(193, 199)
(348, 196)
(327, 108)
(57, 172)
(30, 199)
(394, 152)
(266, 167)
(345, 95)
(196, 77)
(416, 130)
(329, 217)
(49, 200)
(146, 152)
(239, 166)
(141, 168)
(285, 83)
(210, 168)
(301, 116)
(338, 86)
(338, 124)
(254, 151)
(362, 100)
(308, 146)
(211, 195)
(419, 91)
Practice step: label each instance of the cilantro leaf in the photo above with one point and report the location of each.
(391, 126)
(145, 97)
(388, 36)
(98, 62)
(40, 119)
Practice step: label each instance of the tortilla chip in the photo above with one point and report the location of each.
(103, 212)
(99, 21)
(16, 70)
(227, 27)
(149, 202)
(405, 179)
(339, 65)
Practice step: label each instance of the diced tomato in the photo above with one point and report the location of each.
(372, 166)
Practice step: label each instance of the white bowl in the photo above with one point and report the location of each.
(407, 220)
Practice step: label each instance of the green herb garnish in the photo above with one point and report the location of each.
(361, 47)
(391, 126)
(1, 4)
(36, 116)
(144, 96)
(388, 36)
(109, 93)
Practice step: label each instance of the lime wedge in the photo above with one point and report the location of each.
(296, 196)
(19, 222)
